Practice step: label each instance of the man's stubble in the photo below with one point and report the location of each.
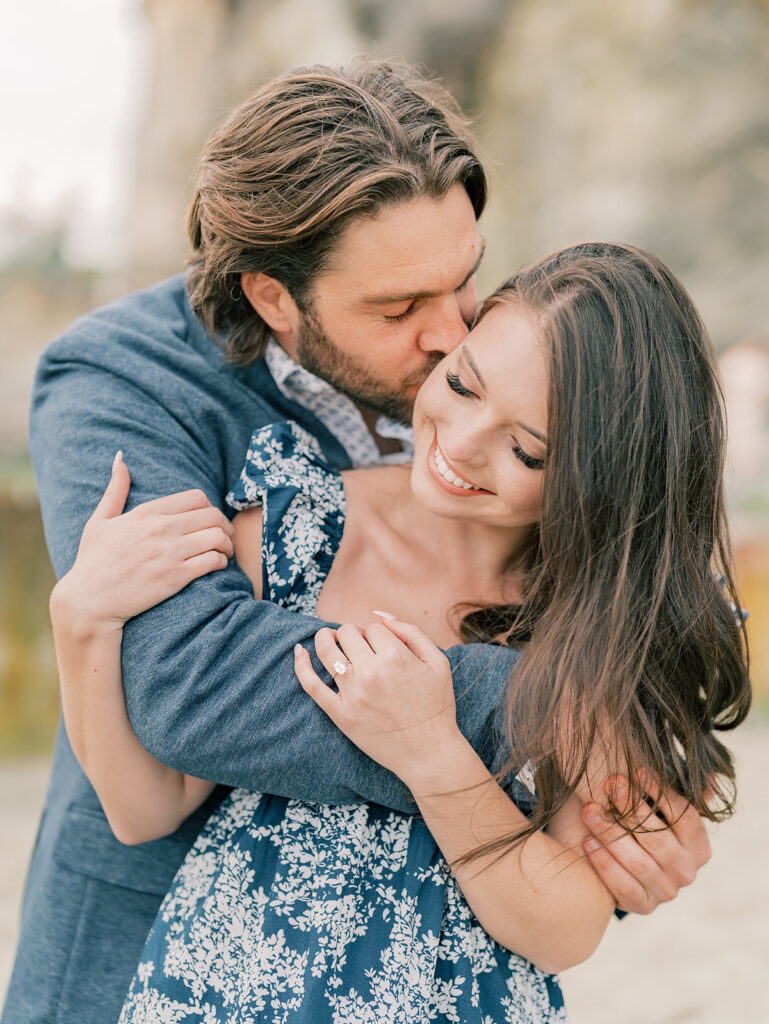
(318, 353)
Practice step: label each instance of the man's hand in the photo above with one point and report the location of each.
(650, 867)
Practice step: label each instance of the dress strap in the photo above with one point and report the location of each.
(303, 499)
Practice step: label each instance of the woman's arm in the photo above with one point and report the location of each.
(542, 899)
(126, 564)
(395, 701)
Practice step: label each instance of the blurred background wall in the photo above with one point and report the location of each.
(646, 122)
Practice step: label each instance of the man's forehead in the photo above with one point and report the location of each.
(417, 247)
(379, 297)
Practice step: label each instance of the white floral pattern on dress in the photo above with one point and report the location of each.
(287, 912)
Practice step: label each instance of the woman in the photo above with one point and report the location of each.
(565, 497)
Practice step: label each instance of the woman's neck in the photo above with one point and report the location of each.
(477, 552)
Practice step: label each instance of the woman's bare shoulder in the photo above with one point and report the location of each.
(248, 546)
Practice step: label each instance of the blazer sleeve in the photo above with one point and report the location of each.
(208, 674)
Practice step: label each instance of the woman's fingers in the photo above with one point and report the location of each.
(199, 565)
(203, 519)
(628, 869)
(334, 646)
(684, 820)
(212, 539)
(380, 639)
(113, 500)
(329, 652)
(412, 636)
(182, 501)
(313, 685)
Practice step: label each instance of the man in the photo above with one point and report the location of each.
(335, 212)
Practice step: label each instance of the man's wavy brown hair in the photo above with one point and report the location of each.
(292, 166)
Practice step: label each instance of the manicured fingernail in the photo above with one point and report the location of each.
(339, 668)
(298, 650)
(117, 460)
(618, 789)
(592, 815)
(384, 615)
(591, 845)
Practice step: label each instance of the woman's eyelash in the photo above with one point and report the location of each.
(456, 385)
(527, 460)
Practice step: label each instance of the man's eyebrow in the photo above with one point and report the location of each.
(386, 300)
(468, 358)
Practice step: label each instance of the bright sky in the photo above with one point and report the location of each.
(72, 74)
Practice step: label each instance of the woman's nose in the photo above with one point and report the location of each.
(464, 446)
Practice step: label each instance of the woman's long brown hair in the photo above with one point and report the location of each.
(632, 649)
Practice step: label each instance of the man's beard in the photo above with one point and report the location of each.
(321, 356)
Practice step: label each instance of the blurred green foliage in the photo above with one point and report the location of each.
(29, 700)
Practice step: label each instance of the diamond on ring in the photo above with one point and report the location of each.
(340, 667)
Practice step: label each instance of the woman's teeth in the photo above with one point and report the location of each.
(447, 474)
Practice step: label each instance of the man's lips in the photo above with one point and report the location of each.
(447, 477)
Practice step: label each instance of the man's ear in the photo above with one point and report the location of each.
(273, 303)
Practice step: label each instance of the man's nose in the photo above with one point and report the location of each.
(445, 326)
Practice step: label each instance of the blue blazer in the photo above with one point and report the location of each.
(208, 674)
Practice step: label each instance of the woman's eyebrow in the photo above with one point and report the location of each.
(534, 433)
(468, 358)
(465, 354)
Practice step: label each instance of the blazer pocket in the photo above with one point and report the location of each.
(86, 845)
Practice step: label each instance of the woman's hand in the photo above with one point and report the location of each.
(129, 562)
(395, 697)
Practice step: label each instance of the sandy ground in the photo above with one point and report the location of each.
(702, 959)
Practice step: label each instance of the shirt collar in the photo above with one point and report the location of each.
(296, 381)
(287, 372)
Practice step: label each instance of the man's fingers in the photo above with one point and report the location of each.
(652, 855)
(627, 891)
(688, 845)
(692, 834)
(113, 500)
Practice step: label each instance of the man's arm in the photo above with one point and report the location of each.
(209, 679)
(208, 675)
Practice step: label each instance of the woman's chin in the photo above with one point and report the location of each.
(435, 500)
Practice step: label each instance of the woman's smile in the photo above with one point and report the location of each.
(446, 476)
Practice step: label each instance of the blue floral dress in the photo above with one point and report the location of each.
(287, 912)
